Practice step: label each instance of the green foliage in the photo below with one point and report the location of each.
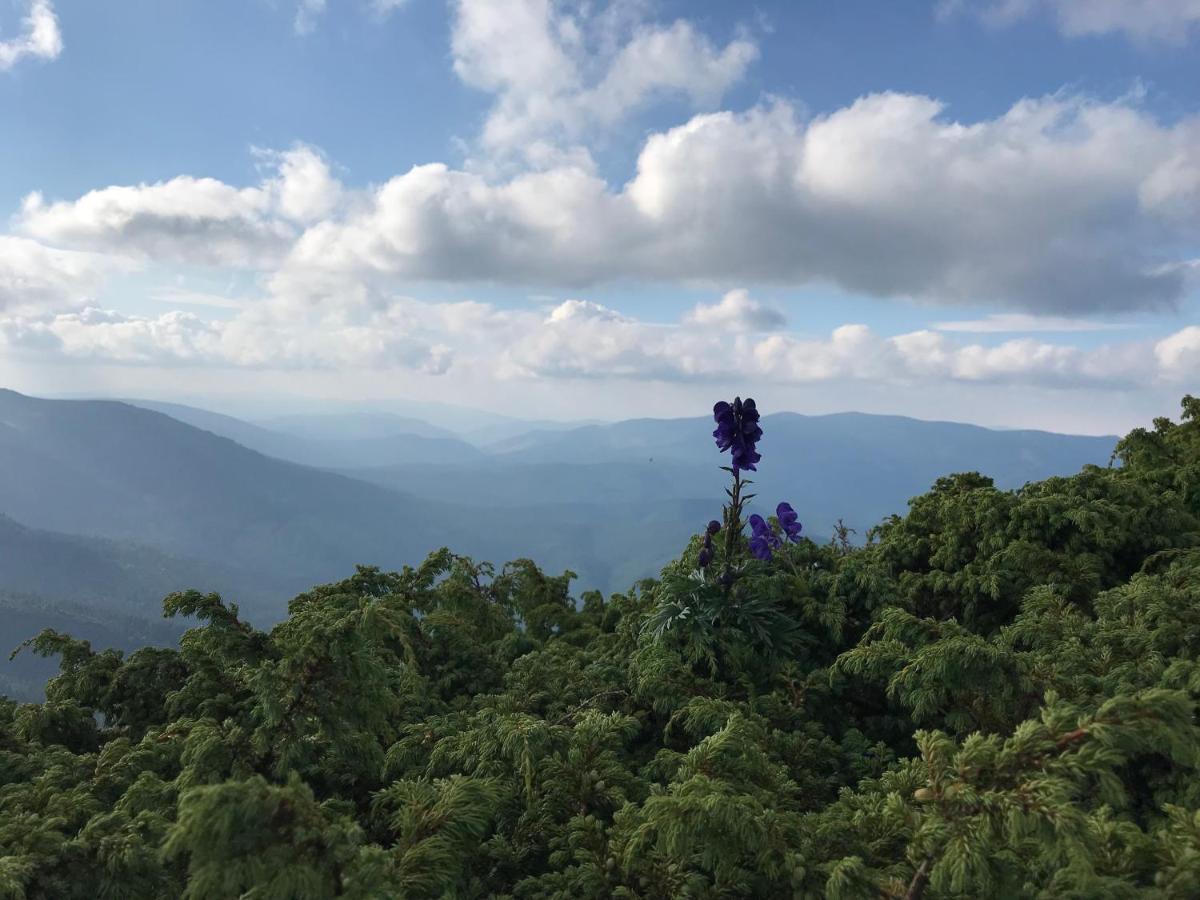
(995, 697)
(254, 838)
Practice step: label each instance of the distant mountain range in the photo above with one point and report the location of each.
(109, 505)
(852, 466)
(331, 441)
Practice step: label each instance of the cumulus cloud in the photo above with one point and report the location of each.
(577, 311)
(590, 343)
(1061, 205)
(39, 38)
(1033, 209)
(305, 190)
(558, 71)
(737, 311)
(1178, 355)
(557, 227)
(180, 337)
(193, 220)
(1171, 21)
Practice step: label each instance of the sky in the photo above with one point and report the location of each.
(976, 210)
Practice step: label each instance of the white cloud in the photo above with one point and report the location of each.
(185, 220)
(599, 346)
(193, 220)
(297, 326)
(255, 339)
(1170, 21)
(305, 190)
(737, 311)
(180, 337)
(1057, 206)
(574, 311)
(557, 227)
(40, 37)
(1179, 354)
(35, 278)
(1036, 209)
(559, 71)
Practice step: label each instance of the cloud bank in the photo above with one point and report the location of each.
(1059, 206)
(734, 337)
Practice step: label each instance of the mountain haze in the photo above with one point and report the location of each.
(329, 441)
(122, 473)
(111, 505)
(851, 466)
(113, 470)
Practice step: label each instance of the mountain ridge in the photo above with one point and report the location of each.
(612, 502)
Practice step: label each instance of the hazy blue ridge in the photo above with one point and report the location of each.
(109, 506)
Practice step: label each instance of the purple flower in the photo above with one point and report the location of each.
(760, 548)
(738, 431)
(713, 527)
(788, 521)
(762, 538)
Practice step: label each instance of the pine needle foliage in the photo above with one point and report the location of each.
(994, 696)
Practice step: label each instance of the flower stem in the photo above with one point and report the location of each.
(733, 526)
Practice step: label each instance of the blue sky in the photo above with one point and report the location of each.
(984, 211)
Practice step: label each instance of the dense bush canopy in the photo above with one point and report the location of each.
(995, 697)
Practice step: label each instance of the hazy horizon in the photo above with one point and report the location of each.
(260, 410)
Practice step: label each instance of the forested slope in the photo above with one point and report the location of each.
(996, 697)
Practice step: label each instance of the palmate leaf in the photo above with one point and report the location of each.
(763, 621)
(669, 614)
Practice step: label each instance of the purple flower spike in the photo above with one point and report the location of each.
(738, 431)
(788, 521)
(705, 557)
